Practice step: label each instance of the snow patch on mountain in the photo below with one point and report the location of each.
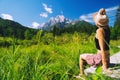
(58, 19)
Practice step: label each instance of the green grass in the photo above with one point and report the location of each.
(114, 46)
(54, 61)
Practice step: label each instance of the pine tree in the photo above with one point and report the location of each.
(28, 34)
(117, 21)
(116, 29)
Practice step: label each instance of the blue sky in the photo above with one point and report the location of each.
(33, 13)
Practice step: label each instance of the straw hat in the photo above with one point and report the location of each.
(100, 18)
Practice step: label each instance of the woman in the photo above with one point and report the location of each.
(102, 39)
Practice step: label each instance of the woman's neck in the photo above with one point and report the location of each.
(105, 27)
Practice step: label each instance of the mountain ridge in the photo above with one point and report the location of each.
(60, 24)
(9, 28)
(58, 19)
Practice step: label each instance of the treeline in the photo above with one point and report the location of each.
(13, 29)
(115, 31)
(80, 27)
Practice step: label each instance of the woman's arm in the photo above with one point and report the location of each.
(100, 37)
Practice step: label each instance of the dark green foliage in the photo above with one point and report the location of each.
(5, 43)
(117, 21)
(10, 28)
(28, 34)
(80, 26)
(115, 31)
(56, 30)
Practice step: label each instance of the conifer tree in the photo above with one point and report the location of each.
(117, 21)
(115, 33)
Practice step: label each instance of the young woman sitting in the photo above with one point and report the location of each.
(102, 39)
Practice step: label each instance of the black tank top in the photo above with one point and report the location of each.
(107, 40)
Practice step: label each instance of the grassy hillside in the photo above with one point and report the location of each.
(52, 58)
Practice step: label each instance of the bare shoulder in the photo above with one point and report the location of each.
(100, 30)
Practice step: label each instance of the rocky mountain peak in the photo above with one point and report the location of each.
(58, 19)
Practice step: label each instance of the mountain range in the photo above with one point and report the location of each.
(60, 19)
(62, 24)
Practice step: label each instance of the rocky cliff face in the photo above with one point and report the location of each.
(55, 20)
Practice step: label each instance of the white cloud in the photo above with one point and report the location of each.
(87, 17)
(112, 8)
(44, 14)
(7, 16)
(110, 13)
(47, 9)
(35, 25)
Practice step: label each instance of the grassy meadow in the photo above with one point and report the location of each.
(50, 58)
